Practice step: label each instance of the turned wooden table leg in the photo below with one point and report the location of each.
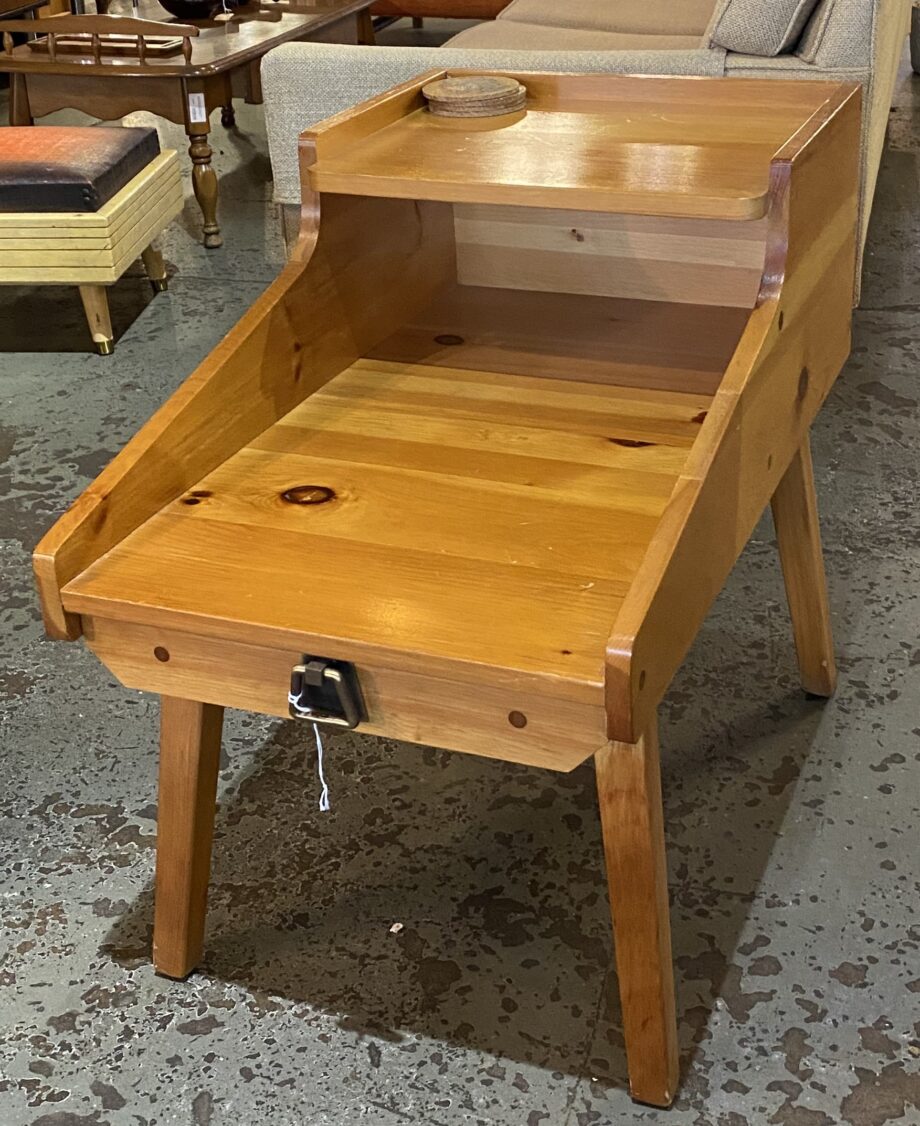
(155, 267)
(795, 515)
(204, 181)
(189, 759)
(629, 792)
(228, 116)
(96, 307)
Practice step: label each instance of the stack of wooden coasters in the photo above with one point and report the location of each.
(475, 95)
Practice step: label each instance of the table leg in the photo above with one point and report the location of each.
(189, 758)
(96, 307)
(155, 267)
(366, 35)
(629, 792)
(204, 181)
(254, 84)
(795, 516)
(228, 116)
(20, 110)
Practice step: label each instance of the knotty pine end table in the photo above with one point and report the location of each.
(477, 464)
(89, 65)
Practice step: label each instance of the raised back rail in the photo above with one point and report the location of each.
(99, 30)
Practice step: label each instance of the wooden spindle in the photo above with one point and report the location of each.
(142, 48)
(7, 43)
(52, 46)
(187, 48)
(97, 47)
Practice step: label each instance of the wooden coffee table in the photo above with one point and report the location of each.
(223, 64)
(475, 467)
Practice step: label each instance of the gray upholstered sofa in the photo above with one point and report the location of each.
(856, 40)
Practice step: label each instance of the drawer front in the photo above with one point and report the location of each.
(544, 731)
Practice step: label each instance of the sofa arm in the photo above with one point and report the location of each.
(303, 83)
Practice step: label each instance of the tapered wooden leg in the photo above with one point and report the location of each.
(629, 791)
(366, 34)
(20, 110)
(96, 307)
(795, 515)
(155, 267)
(254, 84)
(189, 758)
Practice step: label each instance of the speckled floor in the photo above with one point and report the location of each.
(792, 826)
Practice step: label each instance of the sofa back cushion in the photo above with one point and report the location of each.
(631, 17)
(760, 27)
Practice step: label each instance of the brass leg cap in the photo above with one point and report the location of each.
(159, 285)
(105, 347)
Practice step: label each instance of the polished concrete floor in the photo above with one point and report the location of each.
(792, 825)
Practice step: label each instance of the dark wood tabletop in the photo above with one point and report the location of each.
(223, 44)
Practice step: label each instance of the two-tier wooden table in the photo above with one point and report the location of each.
(222, 63)
(475, 467)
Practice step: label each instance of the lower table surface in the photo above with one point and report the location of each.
(457, 512)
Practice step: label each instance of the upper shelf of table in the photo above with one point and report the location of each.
(694, 147)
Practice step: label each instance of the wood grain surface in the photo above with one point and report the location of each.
(220, 45)
(678, 147)
(461, 499)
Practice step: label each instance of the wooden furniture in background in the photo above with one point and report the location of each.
(222, 62)
(92, 249)
(506, 510)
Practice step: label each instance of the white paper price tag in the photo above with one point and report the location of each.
(196, 108)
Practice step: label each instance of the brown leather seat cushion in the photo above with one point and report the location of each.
(78, 168)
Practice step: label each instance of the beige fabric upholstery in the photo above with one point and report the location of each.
(512, 35)
(813, 39)
(642, 17)
(756, 27)
(863, 43)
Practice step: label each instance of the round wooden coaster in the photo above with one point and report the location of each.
(474, 95)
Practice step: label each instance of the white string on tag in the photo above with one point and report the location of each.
(324, 793)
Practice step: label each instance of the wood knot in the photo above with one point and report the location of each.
(449, 338)
(308, 494)
(517, 719)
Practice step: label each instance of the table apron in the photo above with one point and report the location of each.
(108, 97)
(556, 733)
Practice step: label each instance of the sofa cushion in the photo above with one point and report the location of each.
(510, 35)
(756, 27)
(817, 31)
(642, 17)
